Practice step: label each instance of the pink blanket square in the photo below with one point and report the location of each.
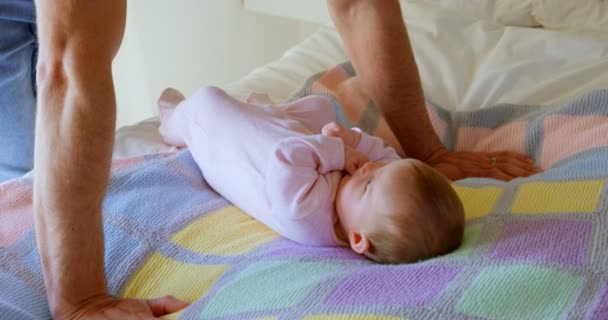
(16, 213)
(509, 137)
(581, 132)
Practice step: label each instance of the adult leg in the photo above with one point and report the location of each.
(18, 50)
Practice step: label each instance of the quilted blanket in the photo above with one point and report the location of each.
(534, 248)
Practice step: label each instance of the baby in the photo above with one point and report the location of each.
(313, 181)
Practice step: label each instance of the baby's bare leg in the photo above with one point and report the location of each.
(167, 103)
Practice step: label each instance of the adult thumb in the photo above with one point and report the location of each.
(166, 305)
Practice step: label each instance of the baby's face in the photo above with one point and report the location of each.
(370, 187)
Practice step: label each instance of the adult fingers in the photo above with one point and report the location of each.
(513, 159)
(484, 170)
(166, 305)
(512, 155)
(517, 171)
(489, 157)
(496, 173)
(515, 164)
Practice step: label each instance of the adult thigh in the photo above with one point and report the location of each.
(18, 49)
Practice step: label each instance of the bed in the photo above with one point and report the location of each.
(525, 76)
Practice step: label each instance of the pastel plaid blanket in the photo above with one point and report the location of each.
(534, 248)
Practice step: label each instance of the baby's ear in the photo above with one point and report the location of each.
(358, 242)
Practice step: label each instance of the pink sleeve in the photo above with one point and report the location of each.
(299, 189)
(375, 148)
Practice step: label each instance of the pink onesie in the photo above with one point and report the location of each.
(272, 162)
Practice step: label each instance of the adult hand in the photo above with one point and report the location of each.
(105, 307)
(503, 165)
(353, 159)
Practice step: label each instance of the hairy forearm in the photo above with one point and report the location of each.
(72, 163)
(378, 45)
(74, 135)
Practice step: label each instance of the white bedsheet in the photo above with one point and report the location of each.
(465, 64)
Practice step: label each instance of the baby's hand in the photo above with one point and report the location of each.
(349, 137)
(353, 159)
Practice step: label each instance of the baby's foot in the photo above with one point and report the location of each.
(167, 102)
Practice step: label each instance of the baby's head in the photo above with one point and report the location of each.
(400, 212)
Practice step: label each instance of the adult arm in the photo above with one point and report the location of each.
(74, 136)
(378, 45)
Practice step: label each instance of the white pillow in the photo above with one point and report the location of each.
(572, 14)
(506, 12)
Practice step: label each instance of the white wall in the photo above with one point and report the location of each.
(190, 43)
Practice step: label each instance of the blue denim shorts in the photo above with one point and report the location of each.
(18, 54)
